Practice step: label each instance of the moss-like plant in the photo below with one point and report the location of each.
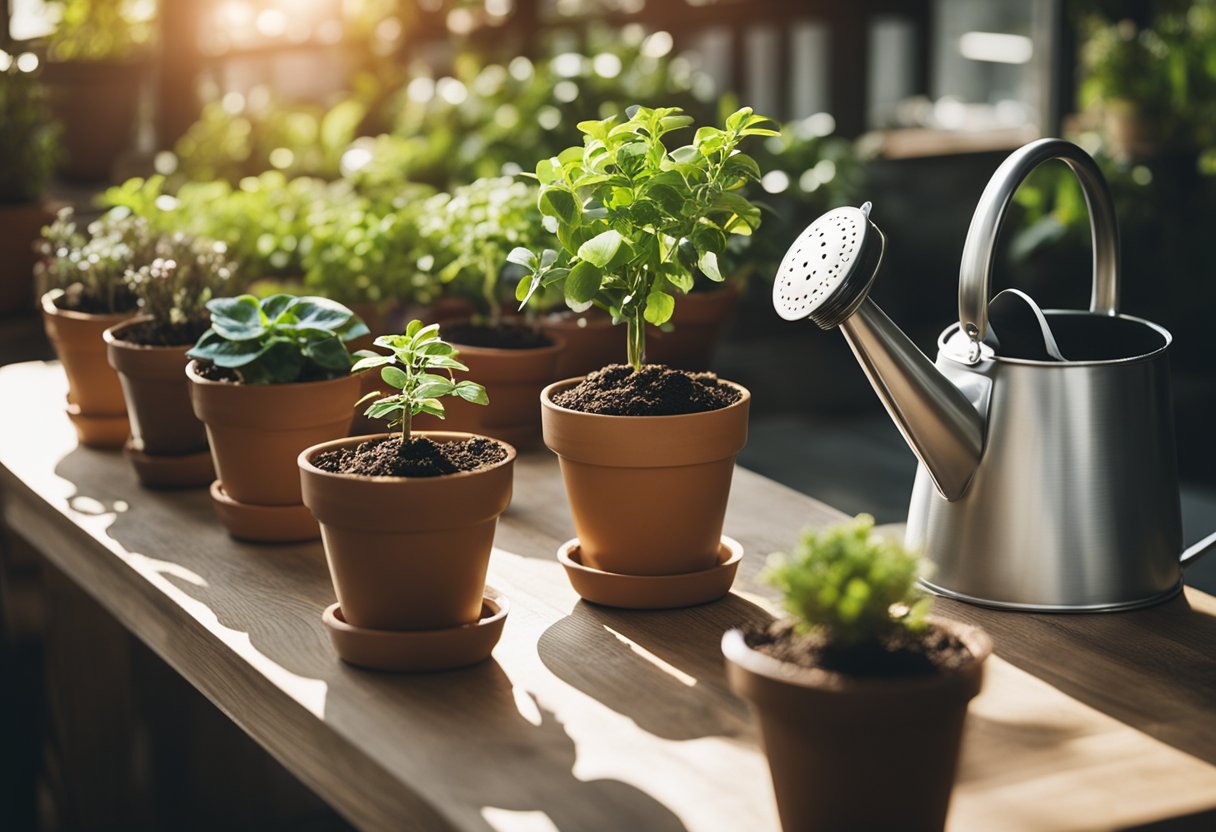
(638, 222)
(27, 136)
(176, 286)
(855, 586)
(409, 370)
(90, 266)
(279, 340)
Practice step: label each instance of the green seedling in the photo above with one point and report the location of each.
(636, 222)
(279, 340)
(409, 370)
(854, 585)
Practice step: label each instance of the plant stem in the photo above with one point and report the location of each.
(636, 344)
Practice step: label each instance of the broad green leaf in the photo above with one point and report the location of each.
(659, 306)
(472, 392)
(370, 361)
(328, 353)
(708, 238)
(583, 282)
(411, 329)
(275, 305)
(432, 407)
(321, 313)
(600, 250)
(394, 377)
(236, 319)
(525, 289)
(708, 263)
(433, 389)
(558, 203)
(522, 257)
(280, 363)
(687, 153)
(547, 171)
(221, 352)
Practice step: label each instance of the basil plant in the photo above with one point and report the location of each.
(636, 222)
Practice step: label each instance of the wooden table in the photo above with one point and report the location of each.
(590, 718)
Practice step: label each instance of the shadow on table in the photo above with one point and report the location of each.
(662, 669)
(1152, 669)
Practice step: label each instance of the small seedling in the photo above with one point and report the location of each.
(409, 370)
(855, 586)
(280, 340)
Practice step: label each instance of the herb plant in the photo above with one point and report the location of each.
(90, 266)
(279, 340)
(176, 286)
(636, 221)
(27, 137)
(409, 370)
(854, 585)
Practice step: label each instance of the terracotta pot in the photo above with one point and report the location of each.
(513, 380)
(648, 493)
(97, 104)
(95, 402)
(858, 753)
(257, 430)
(20, 228)
(591, 340)
(157, 394)
(697, 325)
(407, 553)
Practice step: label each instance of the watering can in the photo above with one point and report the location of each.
(1048, 479)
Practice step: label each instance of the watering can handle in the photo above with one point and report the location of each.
(975, 275)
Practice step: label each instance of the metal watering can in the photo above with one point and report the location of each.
(1048, 479)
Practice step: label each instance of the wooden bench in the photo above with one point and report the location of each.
(590, 718)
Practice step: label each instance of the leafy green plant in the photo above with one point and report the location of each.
(637, 222)
(175, 288)
(27, 136)
(279, 340)
(465, 238)
(409, 370)
(90, 266)
(852, 584)
(98, 30)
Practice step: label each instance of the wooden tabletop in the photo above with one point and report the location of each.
(589, 718)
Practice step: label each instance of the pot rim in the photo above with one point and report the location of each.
(113, 340)
(193, 376)
(304, 460)
(48, 307)
(546, 400)
(736, 651)
(558, 344)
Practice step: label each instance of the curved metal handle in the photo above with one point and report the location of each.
(975, 274)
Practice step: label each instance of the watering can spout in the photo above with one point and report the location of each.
(941, 425)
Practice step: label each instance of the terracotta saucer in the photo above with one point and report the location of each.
(263, 524)
(420, 650)
(108, 432)
(170, 471)
(652, 592)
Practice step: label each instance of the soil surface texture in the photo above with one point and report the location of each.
(211, 372)
(157, 334)
(503, 336)
(933, 650)
(655, 390)
(420, 457)
(76, 299)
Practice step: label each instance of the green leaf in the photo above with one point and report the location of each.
(547, 171)
(668, 199)
(522, 257)
(328, 353)
(600, 250)
(686, 154)
(559, 203)
(708, 263)
(708, 238)
(743, 165)
(394, 377)
(213, 347)
(321, 313)
(236, 319)
(411, 329)
(583, 282)
(432, 407)
(433, 389)
(280, 363)
(659, 306)
(276, 305)
(472, 392)
(370, 362)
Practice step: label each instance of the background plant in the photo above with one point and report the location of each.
(850, 583)
(175, 288)
(415, 354)
(91, 265)
(279, 340)
(637, 222)
(27, 135)
(97, 30)
(465, 238)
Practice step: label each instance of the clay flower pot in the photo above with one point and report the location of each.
(513, 380)
(97, 104)
(697, 325)
(95, 402)
(410, 554)
(591, 342)
(648, 493)
(255, 432)
(20, 227)
(168, 445)
(858, 753)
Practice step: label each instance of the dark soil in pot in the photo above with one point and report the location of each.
(417, 457)
(74, 299)
(156, 334)
(654, 390)
(934, 650)
(501, 336)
